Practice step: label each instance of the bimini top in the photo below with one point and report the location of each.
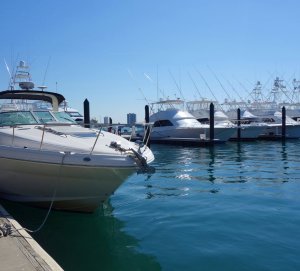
(52, 97)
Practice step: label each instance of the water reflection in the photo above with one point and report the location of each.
(84, 241)
(184, 170)
(284, 158)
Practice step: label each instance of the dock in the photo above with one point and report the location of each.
(19, 251)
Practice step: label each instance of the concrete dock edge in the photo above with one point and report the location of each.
(19, 251)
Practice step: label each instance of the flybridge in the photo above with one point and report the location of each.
(22, 79)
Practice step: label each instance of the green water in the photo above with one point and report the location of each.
(231, 207)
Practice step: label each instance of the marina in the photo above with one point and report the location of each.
(216, 199)
(150, 135)
(233, 206)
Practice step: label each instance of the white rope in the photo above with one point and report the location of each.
(52, 200)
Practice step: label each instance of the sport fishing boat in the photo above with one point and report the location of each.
(172, 124)
(47, 159)
(272, 125)
(200, 110)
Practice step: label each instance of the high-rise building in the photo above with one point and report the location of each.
(131, 118)
(106, 120)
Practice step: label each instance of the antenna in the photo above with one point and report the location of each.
(179, 89)
(152, 81)
(206, 84)
(235, 91)
(219, 83)
(48, 63)
(144, 96)
(10, 75)
(131, 75)
(157, 88)
(195, 85)
(247, 91)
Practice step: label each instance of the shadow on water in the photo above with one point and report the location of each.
(84, 241)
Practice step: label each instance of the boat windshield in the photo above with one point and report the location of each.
(13, 118)
(52, 117)
(44, 116)
(16, 118)
(63, 117)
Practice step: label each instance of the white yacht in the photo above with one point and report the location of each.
(273, 125)
(72, 112)
(47, 159)
(171, 123)
(248, 131)
(200, 110)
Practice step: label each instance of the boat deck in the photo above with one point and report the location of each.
(19, 251)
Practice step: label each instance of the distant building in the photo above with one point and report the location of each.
(106, 120)
(131, 118)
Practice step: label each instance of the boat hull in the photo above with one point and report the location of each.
(275, 131)
(249, 132)
(70, 187)
(221, 134)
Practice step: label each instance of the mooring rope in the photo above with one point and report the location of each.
(6, 228)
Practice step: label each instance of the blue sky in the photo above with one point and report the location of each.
(112, 52)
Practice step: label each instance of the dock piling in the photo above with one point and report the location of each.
(283, 126)
(147, 132)
(239, 124)
(86, 113)
(211, 122)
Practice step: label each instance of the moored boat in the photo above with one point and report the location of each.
(171, 123)
(47, 159)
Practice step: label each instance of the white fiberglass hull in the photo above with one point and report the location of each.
(64, 168)
(250, 132)
(221, 134)
(71, 187)
(275, 130)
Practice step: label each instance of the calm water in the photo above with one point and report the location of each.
(231, 207)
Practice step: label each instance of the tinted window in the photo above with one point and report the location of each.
(160, 123)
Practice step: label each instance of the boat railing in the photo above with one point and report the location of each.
(43, 127)
(96, 141)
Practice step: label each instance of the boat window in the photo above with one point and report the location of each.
(16, 118)
(63, 117)
(203, 120)
(44, 116)
(268, 120)
(160, 123)
(74, 114)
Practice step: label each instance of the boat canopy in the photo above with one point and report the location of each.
(52, 97)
